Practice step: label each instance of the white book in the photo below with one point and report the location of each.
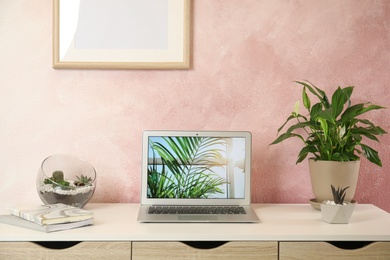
(51, 214)
(16, 221)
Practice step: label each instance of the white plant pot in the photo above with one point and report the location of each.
(339, 174)
(337, 214)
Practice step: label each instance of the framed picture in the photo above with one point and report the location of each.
(121, 34)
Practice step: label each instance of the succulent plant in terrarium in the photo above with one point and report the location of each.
(339, 194)
(83, 181)
(57, 179)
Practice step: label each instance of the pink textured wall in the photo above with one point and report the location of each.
(246, 54)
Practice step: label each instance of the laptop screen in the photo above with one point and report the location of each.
(196, 165)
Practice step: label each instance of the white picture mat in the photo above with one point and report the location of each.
(68, 31)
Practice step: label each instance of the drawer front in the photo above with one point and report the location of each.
(323, 250)
(80, 251)
(229, 250)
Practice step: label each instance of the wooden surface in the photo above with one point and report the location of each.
(230, 250)
(80, 251)
(326, 251)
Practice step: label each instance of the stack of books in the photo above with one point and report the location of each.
(48, 218)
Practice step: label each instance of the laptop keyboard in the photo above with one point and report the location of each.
(196, 210)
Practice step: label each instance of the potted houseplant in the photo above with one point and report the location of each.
(332, 132)
(337, 211)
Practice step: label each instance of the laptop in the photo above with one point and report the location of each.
(196, 176)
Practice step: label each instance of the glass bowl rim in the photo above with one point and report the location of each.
(68, 155)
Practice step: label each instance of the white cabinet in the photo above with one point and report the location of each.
(285, 231)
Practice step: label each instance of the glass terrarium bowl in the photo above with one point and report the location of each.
(67, 179)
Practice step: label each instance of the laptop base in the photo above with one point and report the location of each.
(249, 217)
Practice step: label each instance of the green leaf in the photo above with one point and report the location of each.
(339, 194)
(350, 113)
(369, 108)
(327, 114)
(316, 108)
(291, 117)
(285, 136)
(367, 132)
(339, 98)
(371, 154)
(187, 168)
(300, 125)
(306, 99)
(357, 110)
(324, 127)
(317, 92)
(305, 151)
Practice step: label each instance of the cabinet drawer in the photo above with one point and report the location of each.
(230, 250)
(80, 251)
(324, 250)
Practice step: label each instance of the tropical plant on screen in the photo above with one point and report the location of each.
(186, 167)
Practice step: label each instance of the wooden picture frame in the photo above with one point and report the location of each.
(121, 34)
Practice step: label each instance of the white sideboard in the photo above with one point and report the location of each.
(286, 231)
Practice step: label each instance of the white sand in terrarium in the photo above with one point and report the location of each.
(72, 191)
